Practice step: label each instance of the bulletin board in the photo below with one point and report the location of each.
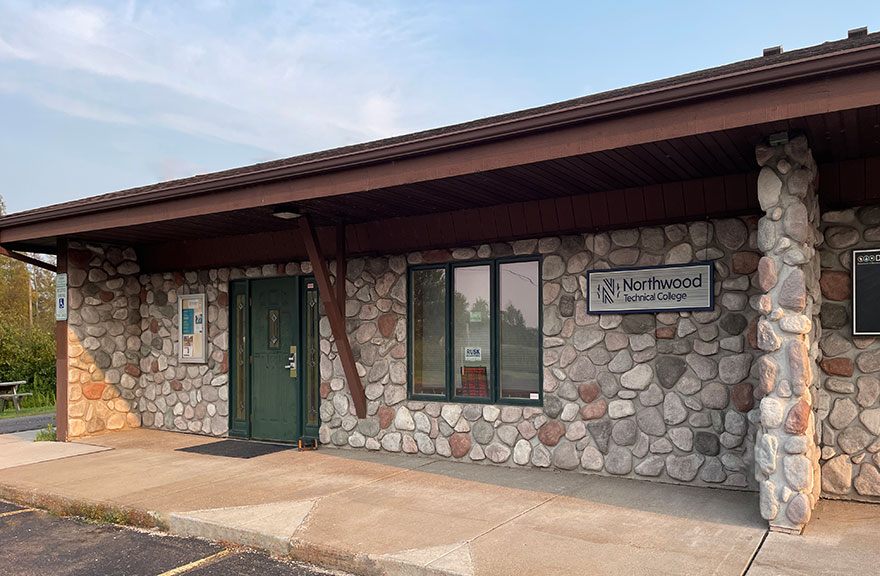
(866, 290)
(192, 328)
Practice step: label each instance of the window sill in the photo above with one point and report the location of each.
(482, 401)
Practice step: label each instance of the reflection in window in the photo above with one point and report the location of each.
(429, 331)
(472, 347)
(519, 335)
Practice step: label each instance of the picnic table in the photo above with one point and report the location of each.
(9, 391)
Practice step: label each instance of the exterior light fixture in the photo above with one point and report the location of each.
(285, 213)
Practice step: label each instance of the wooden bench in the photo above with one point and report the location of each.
(9, 391)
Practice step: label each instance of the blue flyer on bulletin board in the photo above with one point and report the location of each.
(188, 324)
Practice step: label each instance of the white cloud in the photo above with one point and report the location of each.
(301, 76)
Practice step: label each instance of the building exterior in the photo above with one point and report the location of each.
(430, 294)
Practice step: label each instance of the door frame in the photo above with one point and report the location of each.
(241, 427)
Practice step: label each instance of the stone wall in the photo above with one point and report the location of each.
(191, 397)
(103, 339)
(666, 396)
(848, 402)
(182, 396)
(786, 452)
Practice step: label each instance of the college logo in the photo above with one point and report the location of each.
(608, 290)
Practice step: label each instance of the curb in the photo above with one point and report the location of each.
(181, 525)
(64, 506)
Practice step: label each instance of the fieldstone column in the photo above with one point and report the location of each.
(786, 452)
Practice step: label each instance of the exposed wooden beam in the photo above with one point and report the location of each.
(336, 318)
(340, 267)
(27, 259)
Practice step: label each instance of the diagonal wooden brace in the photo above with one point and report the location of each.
(27, 259)
(334, 315)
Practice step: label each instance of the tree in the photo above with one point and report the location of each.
(27, 325)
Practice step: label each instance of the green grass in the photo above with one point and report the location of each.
(10, 411)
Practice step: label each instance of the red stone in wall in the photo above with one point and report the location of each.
(836, 285)
(386, 324)
(460, 445)
(551, 432)
(743, 396)
(665, 332)
(798, 418)
(837, 366)
(437, 256)
(386, 415)
(588, 391)
(752, 333)
(595, 410)
(94, 390)
(745, 262)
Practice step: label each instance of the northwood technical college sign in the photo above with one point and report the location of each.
(654, 289)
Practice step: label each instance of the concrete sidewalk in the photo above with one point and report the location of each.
(380, 514)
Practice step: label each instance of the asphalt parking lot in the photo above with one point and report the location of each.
(33, 542)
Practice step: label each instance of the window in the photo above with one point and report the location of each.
(428, 331)
(475, 332)
(519, 331)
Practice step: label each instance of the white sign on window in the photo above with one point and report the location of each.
(473, 354)
(653, 289)
(61, 297)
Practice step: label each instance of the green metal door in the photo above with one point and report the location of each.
(275, 390)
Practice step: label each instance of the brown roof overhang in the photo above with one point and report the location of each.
(818, 64)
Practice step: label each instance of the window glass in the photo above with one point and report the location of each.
(472, 350)
(429, 331)
(519, 334)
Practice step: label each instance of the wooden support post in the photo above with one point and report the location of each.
(340, 267)
(61, 357)
(336, 318)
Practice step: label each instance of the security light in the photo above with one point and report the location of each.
(285, 213)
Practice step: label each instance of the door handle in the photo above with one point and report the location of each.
(291, 362)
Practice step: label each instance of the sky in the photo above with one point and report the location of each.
(102, 96)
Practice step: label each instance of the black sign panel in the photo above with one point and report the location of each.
(866, 292)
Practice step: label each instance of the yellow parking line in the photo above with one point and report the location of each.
(192, 565)
(14, 512)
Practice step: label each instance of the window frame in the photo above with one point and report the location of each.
(494, 265)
